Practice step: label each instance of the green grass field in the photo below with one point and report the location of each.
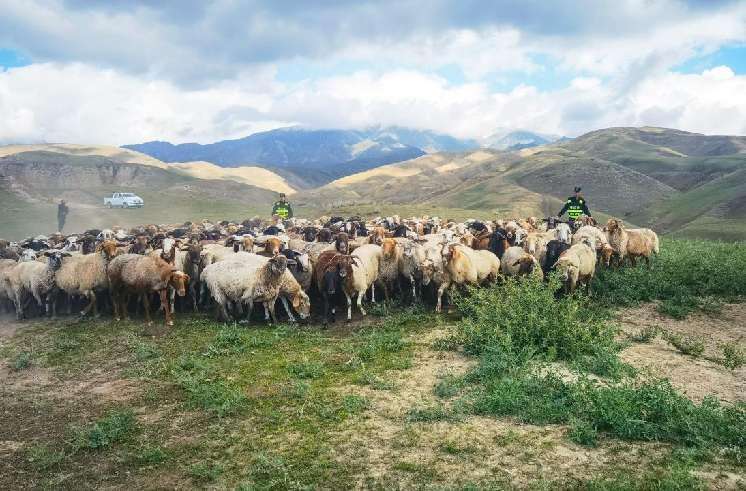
(519, 389)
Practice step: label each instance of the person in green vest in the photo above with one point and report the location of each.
(282, 208)
(575, 206)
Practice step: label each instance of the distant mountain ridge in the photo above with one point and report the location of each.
(518, 140)
(339, 151)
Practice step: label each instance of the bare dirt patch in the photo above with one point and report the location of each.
(696, 377)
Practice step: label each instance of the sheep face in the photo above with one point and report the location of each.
(606, 253)
(302, 305)
(179, 281)
(54, 259)
(525, 264)
(273, 246)
(27, 255)
(108, 248)
(613, 225)
(389, 248)
(428, 271)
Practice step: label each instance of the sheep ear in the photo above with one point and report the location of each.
(65, 254)
(517, 262)
(296, 301)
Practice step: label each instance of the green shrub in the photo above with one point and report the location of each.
(525, 315)
(306, 369)
(733, 355)
(686, 344)
(22, 361)
(41, 457)
(648, 411)
(685, 271)
(645, 335)
(114, 427)
(583, 433)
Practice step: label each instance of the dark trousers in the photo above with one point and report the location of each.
(60, 222)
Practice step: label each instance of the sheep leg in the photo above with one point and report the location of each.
(287, 309)
(414, 289)
(146, 308)
(439, 295)
(17, 300)
(271, 306)
(359, 304)
(326, 307)
(373, 292)
(172, 299)
(349, 306)
(167, 307)
(91, 296)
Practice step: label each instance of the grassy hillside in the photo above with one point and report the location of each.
(33, 183)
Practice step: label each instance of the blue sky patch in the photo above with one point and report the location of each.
(10, 59)
(733, 56)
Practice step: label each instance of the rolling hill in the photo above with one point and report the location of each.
(674, 181)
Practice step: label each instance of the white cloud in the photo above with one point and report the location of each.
(79, 103)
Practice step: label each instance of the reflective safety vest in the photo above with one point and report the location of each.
(281, 209)
(574, 208)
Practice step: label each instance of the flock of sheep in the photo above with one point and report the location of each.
(232, 266)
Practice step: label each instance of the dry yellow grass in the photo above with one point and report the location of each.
(114, 153)
(253, 176)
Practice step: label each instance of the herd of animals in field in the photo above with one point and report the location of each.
(229, 266)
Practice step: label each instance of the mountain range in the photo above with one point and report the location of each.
(673, 181)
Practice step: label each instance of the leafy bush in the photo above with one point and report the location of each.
(526, 316)
(115, 427)
(306, 369)
(645, 335)
(733, 356)
(687, 275)
(686, 344)
(22, 361)
(648, 411)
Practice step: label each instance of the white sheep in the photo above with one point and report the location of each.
(364, 275)
(83, 275)
(577, 266)
(37, 279)
(517, 262)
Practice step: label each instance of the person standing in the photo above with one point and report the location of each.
(575, 206)
(282, 208)
(62, 211)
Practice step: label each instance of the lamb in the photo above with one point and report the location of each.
(244, 282)
(37, 278)
(577, 266)
(141, 275)
(517, 262)
(83, 275)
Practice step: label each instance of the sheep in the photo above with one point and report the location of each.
(141, 275)
(6, 291)
(410, 262)
(388, 266)
(604, 250)
(37, 278)
(331, 271)
(364, 275)
(289, 286)
(577, 266)
(555, 248)
(189, 260)
(617, 237)
(243, 282)
(470, 267)
(641, 242)
(517, 262)
(299, 265)
(434, 271)
(83, 275)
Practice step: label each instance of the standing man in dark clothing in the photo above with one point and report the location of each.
(62, 211)
(575, 206)
(282, 208)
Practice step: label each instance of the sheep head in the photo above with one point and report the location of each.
(606, 252)
(179, 281)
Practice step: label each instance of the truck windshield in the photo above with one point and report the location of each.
(126, 195)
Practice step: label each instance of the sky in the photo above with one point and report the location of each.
(94, 72)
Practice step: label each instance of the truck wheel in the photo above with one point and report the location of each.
(110, 206)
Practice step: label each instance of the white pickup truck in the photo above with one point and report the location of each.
(124, 200)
